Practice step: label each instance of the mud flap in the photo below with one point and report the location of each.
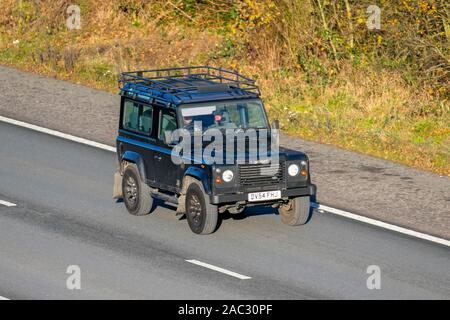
(117, 192)
(181, 208)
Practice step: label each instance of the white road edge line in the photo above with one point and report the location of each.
(58, 134)
(314, 205)
(218, 269)
(3, 298)
(8, 204)
(382, 224)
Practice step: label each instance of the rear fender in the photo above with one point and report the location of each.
(134, 157)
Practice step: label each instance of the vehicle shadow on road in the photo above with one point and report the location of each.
(259, 211)
(158, 203)
(249, 212)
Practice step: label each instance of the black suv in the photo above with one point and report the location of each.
(156, 105)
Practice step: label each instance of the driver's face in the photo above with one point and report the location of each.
(187, 120)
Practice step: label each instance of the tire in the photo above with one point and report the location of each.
(201, 215)
(136, 194)
(297, 212)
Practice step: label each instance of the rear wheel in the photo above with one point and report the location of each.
(136, 194)
(296, 212)
(201, 215)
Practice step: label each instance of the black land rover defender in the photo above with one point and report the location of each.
(157, 103)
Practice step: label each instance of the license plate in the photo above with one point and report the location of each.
(262, 196)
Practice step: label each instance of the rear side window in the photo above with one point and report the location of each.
(137, 117)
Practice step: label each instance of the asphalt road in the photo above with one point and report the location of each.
(354, 182)
(65, 216)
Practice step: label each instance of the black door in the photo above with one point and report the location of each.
(167, 173)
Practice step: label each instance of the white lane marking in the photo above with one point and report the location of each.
(317, 206)
(218, 269)
(3, 298)
(58, 134)
(382, 224)
(8, 204)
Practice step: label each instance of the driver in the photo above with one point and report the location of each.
(187, 121)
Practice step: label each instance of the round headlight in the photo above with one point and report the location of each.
(227, 175)
(293, 170)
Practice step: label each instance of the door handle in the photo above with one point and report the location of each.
(157, 157)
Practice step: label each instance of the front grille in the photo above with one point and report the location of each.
(261, 174)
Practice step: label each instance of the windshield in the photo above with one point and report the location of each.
(225, 115)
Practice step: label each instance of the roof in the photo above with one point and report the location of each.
(187, 85)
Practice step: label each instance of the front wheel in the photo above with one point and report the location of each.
(201, 215)
(296, 212)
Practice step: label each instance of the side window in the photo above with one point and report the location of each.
(130, 115)
(146, 120)
(137, 117)
(167, 122)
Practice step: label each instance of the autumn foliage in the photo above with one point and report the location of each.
(324, 72)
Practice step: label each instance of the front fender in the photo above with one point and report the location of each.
(201, 175)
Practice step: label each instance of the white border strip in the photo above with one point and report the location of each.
(314, 205)
(382, 224)
(8, 204)
(58, 134)
(3, 298)
(218, 269)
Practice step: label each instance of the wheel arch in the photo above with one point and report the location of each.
(196, 173)
(135, 158)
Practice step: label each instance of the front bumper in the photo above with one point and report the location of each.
(309, 190)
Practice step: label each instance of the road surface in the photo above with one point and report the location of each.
(64, 216)
(354, 182)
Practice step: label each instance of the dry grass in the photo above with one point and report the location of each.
(351, 101)
(370, 112)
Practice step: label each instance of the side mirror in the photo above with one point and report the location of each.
(275, 124)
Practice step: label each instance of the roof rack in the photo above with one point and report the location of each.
(188, 79)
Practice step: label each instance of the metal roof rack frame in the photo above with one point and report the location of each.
(189, 79)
